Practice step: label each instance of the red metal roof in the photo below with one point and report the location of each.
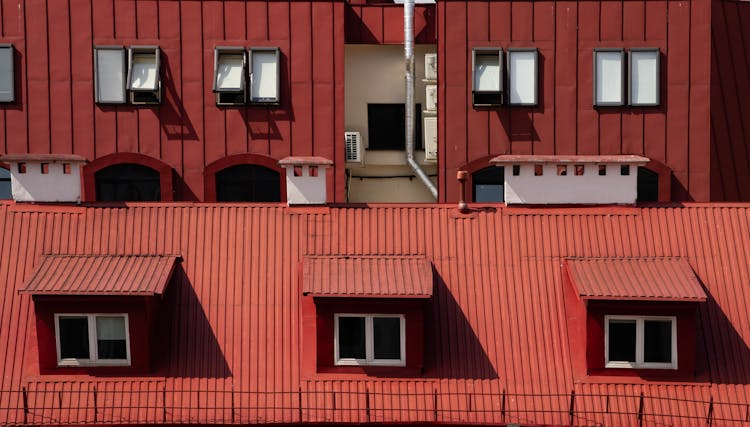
(371, 276)
(23, 157)
(497, 321)
(520, 158)
(100, 275)
(645, 279)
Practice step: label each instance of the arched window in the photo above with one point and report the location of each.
(488, 185)
(248, 183)
(5, 192)
(648, 185)
(127, 182)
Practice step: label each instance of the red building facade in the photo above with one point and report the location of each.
(695, 137)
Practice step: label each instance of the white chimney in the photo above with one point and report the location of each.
(305, 179)
(549, 180)
(45, 177)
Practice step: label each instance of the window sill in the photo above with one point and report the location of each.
(363, 372)
(638, 376)
(87, 364)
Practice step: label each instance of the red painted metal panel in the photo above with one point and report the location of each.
(646, 279)
(367, 276)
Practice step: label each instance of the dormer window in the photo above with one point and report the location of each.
(92, 339)
(369, 339)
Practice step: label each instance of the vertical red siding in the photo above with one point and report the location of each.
(565, 122)
(188, 131)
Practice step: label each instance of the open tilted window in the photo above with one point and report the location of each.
(144, 80)
(230, 71)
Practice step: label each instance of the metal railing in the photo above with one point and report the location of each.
(162, 405)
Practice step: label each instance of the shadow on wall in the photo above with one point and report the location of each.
(723, 355)
(186, 346)
(173, 117)
(452, 349)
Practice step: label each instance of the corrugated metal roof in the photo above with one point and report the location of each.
(537, 158)
(496, 351)
(100, 275)
(649, 279)
(373, 276)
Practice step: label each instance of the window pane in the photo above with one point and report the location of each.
(74, 337)
(264, 76)
(5, 192)
(387, 337)
(7, 83)
(229, 72)
(248, 183)
(110, 78)
(127, 183)
(143, 71)
(608, 77)
(644, 71)
(110, 337)
(487, 72)
(622, 340)
(523, 74)
(657, 341)
(488, 185)
(352, 338)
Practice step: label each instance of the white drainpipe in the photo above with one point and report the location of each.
(409, 108)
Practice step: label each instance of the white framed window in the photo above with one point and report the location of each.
(109, 74)
(230, 71)
(609, 81)
(92, 339)
(369, 339)
(264, 75)
(523, 75)
(643, 76)
(487, 73)
(144, 80)
(642, 342)
(7, 79)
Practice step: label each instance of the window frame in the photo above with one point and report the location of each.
(623, 77)
(508, 67)
(251, 79)
(639, 343)
(657, 51)
(93, 359)
(9, 50)
(487, 98)
(369, 341)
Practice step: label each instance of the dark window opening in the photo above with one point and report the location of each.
(386, 127)
(74, 337)
(602, 170)
(128, 182)
(5, 188)
(488, 185)
(622, 340)
(386, 337)
(248, 183)
(648, 185)
(352, 338)
(657, 341)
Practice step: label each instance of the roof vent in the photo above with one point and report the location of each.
(543, 180)
(45, 177)
(305, 179)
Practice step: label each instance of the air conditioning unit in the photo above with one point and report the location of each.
(353, 147)
(430, 66)
(430, 138)
(431, 98)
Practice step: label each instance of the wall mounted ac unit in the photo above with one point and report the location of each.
(431, 98)
(353, 147)
(430, 66)
(430, 138)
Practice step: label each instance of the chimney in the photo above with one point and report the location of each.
(305, 179)
(45, 177)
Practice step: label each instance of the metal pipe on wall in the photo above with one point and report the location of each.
(409, 107)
